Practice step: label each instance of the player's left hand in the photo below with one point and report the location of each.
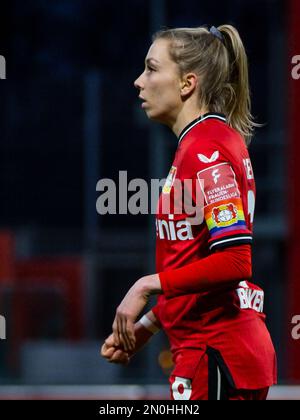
(114, 354)
(130, 308)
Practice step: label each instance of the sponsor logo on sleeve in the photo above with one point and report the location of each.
(170, 180)
(225, 215)
(205, 159)
(218, 183)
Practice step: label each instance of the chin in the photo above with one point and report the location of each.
(159, 118)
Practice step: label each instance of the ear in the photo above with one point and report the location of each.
(189, 83)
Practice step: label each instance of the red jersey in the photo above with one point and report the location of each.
(215, 158)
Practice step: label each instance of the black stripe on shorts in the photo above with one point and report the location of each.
(219, 377)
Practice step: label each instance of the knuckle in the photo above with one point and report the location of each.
(119, 313)
(122, 313)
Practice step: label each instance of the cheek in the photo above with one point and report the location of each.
(167, 92)
(169, 99)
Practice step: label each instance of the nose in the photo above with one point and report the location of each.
(138, 83)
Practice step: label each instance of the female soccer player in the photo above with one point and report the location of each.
(196, 82)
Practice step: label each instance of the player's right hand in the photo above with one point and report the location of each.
(113, 353)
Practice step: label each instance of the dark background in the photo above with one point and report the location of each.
(70, 116)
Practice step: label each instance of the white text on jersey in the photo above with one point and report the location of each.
(251, 299)
(174, 231)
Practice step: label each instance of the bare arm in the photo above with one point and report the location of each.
(143, 332)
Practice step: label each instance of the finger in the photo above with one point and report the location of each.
(123, 339)
(116, 332)
(110, 341)
(128, 332)
(108, 353)
(125, 335)
(103, 349)
(131, 333)
(120, 357)
(104, 346)
(130, 342)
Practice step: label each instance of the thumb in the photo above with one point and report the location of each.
(110, 341)
(107, 352)
(107, 346)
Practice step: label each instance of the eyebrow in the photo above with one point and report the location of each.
(151, 59)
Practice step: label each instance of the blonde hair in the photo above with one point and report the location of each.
(221, 63)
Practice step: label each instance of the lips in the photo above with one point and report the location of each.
(144, 101)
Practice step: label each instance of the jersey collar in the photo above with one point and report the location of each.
(200, 120)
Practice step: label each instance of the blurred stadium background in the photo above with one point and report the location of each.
(70, 116)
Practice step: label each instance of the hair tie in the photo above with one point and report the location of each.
(215, 32)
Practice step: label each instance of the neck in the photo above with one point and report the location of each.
(185, 116)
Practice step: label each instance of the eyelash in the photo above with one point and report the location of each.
(150, 69)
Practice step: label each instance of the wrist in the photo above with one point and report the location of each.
(149, 325)
(150, 285)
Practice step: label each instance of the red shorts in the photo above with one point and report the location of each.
(211, 381)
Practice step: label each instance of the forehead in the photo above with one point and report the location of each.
(159, 51)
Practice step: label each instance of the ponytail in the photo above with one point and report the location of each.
(218, 56)
(238, 100)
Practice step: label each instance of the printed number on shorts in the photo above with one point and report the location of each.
(181, 388)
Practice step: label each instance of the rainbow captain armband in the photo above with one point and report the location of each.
(223, 210)
(149, 325)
